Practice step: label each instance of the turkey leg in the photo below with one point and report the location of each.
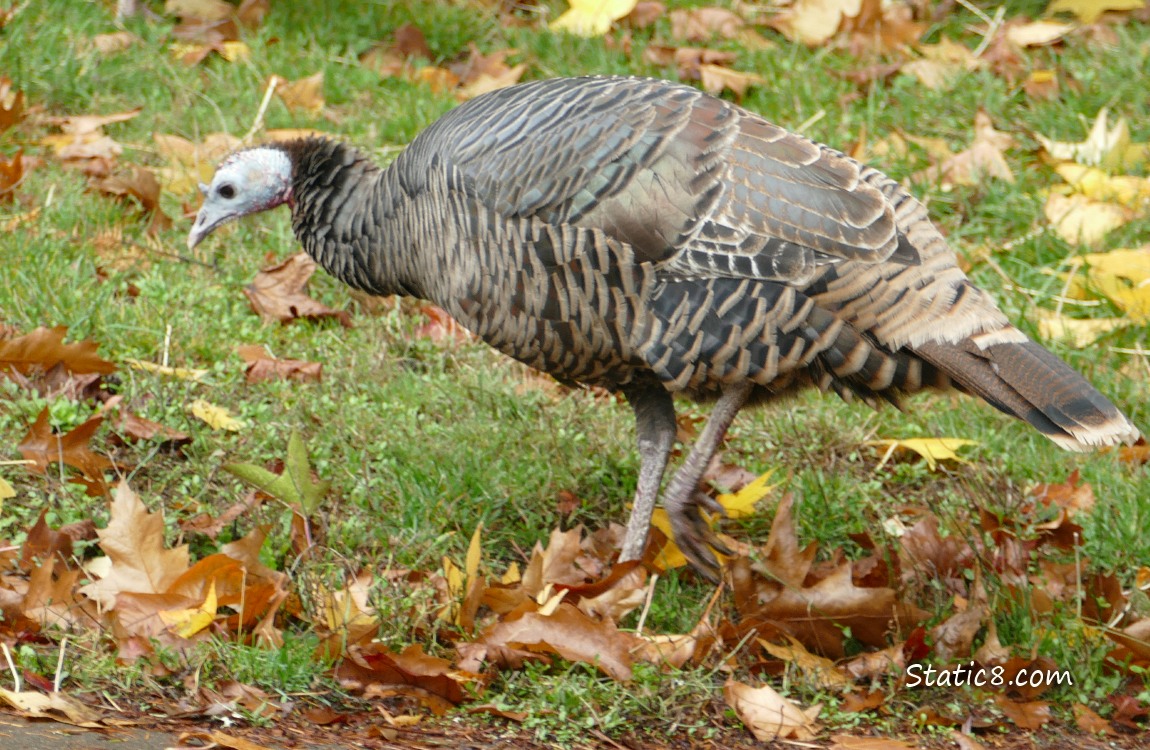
(655, 429)
(684, 500)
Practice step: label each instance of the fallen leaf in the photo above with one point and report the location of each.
(277, 293)
(568, 633)
(133, 541)
(1029, 715)
(55, 706)
(45, 448)
(1089, 11)
(814, 22)
(262, 366)
(983, 160)
(294, 486)
(180, 373)
(716, 78)
(142, 185)
(44, 348)
(11, 175)
(1110, 148)
(855, 742)
(11, 104)
(1041, 84)
(1078, 332)
(110, 44)
(1036, 33)
(819, 670)
(705, 23)
(1080, 220)
(1090, 722)
(216, 417)
(305, 94)
(769, 715)
(592, 17)
(934, 450)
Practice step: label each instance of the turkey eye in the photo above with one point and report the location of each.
(227, 191)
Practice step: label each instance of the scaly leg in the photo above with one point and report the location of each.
(683, 499)
(655, 429)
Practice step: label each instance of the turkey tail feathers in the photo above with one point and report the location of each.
(1024, 380)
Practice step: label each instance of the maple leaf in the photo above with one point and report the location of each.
(1080, 220)
(294, 486)
(45, 448)
(378, 672)
(277, 293)
(138, 561)
(44, 348)
(983, 160)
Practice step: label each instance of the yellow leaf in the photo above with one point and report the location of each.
(180, 373)
(474, 553)
(511, 575)
(592, 17)
(1123, 276)
(1106, 147)
(1082, 221)
(216, 417)
(742, 503)
(932, 449)
(819, 669)
(1079, 332)
(454, 577)
(1088, 11)
(1127, 190)
(187, 622)
(6, 491)
(813, 22)
(670, 556)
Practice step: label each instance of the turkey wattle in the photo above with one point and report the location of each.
(648, 238)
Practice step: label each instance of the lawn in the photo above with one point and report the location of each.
(1015, 554)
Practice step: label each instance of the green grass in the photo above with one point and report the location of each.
(423, 443)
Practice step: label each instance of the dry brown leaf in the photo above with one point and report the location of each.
(1080, 220)
(376, 671)
(44, 348)
(954, 636)
(205, 10)
(277, 293)
(855, 742)
(142, 185)
(11, 175)
(704, 24)
(819, 670)
(1029, 715)
(983, 160)
(304, 94)
(568, 633)
(45, 448)
(768, 715)
(110, 44)
(55, 706)
(646, 13)
(11, 104)
(716, 78)
(138, 560)
(262, 366)
(1090, 722)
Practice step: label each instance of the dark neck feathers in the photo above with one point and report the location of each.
(346, 212)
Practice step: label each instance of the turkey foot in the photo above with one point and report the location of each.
(694, 534)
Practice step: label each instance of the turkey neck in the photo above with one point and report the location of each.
(347, 214)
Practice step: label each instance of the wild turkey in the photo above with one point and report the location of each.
(645, 237)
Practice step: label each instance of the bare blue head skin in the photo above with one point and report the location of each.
(247, 182)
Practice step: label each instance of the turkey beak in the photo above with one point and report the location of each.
(209, 217)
